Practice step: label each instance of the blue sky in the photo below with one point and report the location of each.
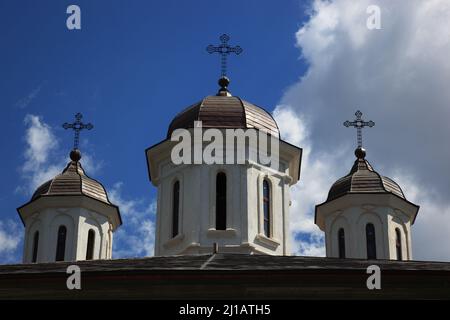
(129, 70)
(135, 64)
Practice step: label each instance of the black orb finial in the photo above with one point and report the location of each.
(75, 155)
(360, 153)
(224, 82)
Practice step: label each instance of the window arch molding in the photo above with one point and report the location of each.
(362, 221)
(35, 246)
(399, 254)
(176, 194)
(176, 178)
(342, 243)
(34, 227)
(213, 172)
(61, 243)
(68, 222)
(91, 244)
(262, 227)
(340, 222)
(371, 243)
(221, 195)
(100, 243)
(398, 222)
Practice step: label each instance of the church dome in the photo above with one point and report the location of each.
(225, 111)
(72, 182)
(363, 179)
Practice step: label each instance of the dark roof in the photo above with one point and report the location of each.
(225, 111)
(363, 179)
(229, 277)
(72, 181)
(224, 261)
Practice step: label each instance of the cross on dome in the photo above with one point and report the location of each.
(77, 126)
(224, 49)
(359, 124)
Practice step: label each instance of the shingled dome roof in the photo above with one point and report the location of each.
(363, 179)
(225, 111)
(72, 181)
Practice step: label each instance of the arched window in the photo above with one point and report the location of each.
(266, 207)
(341, 242)
(175, 208)
(398, 243)
(35, 246)
(370, 241)
(90, 245)
(61, 243)
(221, 201)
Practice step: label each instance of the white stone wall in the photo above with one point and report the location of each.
(244, 232)
(353, 218)
(78, 222)
(197, 226)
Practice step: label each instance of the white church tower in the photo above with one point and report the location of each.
(243, 208)
(69, 217)
(366, 215)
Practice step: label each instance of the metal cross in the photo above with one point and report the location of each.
(77, 126)
(359, 124)
(224, 50)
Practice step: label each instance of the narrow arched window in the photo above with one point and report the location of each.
(61, 243)
(221, 201)
(90, 245)
(175, 208)
(341, 242)
(266, 208)
(370, 241)
(35, 246)
(398, 243)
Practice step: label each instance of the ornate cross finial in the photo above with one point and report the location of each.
(359, 123)
(77, 126)
(224, 50)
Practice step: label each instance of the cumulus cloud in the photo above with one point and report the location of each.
(432, 229)
(316, 174)
(136, 237)
(41, 144)
(43, 157)
(10, 238)
(397, 76)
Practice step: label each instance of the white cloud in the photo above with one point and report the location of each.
(136, 236)
(316, 175)
(431, 232)
(44, 159)
(10, 238)
(396, 76)
(40, 140)
(41, 144)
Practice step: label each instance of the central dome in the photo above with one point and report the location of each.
(225, 111)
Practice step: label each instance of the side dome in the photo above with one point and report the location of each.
(72, 181)
(225, 111)
(363, 179)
